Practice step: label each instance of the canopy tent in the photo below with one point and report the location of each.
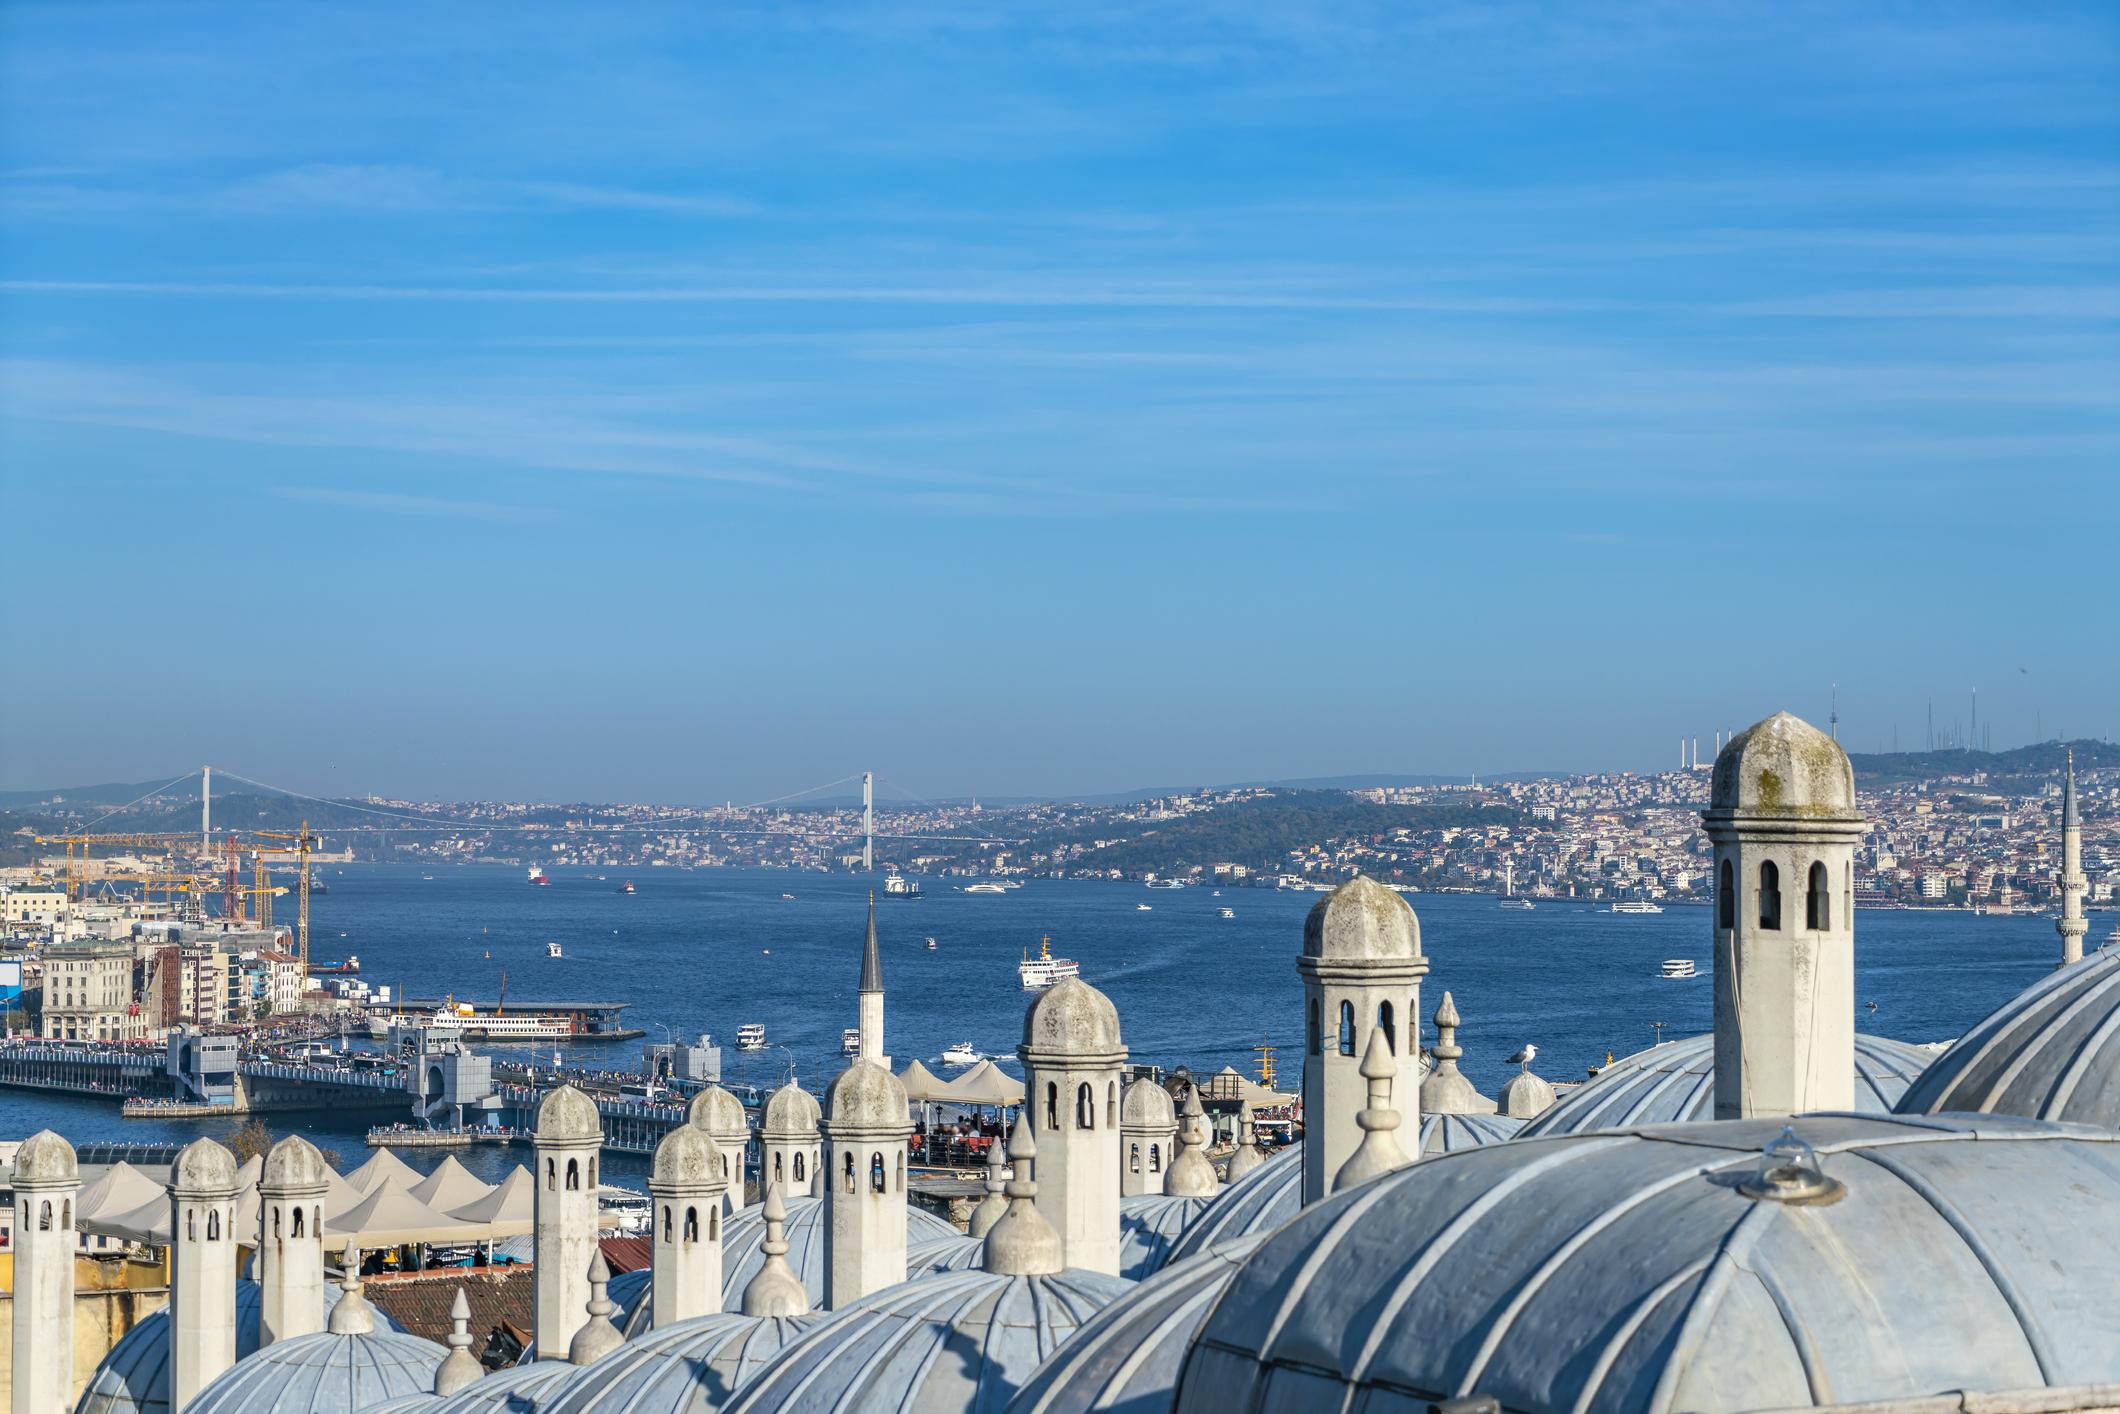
(922, 1084)
(121, 1189)
(508, 1209)
(984, 1084)
(450, 1186)
(250, 1171)
(339, 1195)
(390, 1217)
(148, 1222)
(384, 1168)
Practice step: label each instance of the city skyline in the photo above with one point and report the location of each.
(697, 408)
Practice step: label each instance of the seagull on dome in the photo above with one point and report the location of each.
(1525, 1056)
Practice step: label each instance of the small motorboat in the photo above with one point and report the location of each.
(961, 1054)
(626, 887)
(790, 898)
(1142, 908)
(1227, 912)
(930, 944)
(551, 950)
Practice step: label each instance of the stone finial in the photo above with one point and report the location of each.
(461, 1368)
(1190, 1175)
(597, 1337)
(1379, 1152)
(352, 1315)
(775, 1290)
(1445, 1090)
(1023, 1243)
(1246, 1156)
(995, 1203)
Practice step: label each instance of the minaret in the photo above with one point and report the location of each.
(789, 1147)
(1147, 1125)
(1380, 1151)
(775, 1290)
(721, 1115)
(1361, 968)
(872, 995)
(867, 1127)
(1191, 1175)
(291, 1241)
(1074, 1061)
(2071, 924)
(1023, 1243)
(47, 1182)
(202, 1269)
(686, 1185)
(461, 1369)
(1783, 820)
(568, 1138)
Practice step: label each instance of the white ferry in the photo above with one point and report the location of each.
(625, 1210)
(467, 1023)
(961, 1054)
(1518, 903)
(750, 1037)
(988, 888)
(850, 1041)
(1166, 883)
(1042, 971)
(1636, 906)
(1680, 968)
(896, 885)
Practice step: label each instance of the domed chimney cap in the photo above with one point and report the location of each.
(867, 1096)
(1362, 921)
(292, 1164)
(716, 1111)
(1786, 767)
(686, 1157)
(1072, 1018)
(46, 1157)
(1146, 1105)
(791, 1110)
(567, 1115)
(203, 1166)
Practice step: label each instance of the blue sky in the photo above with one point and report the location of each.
(703, 402)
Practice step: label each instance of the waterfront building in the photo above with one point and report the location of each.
(88, 993)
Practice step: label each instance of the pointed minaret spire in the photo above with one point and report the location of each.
(462, 1369)
(2071, 925)
(1379, 1152)
(776, 1290)
(872, 994)
(1023, 1243)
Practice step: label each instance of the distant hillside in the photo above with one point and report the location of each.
(2043, 759)
(105, 795)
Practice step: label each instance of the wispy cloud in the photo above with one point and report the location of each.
(425, 507)
(372, 189)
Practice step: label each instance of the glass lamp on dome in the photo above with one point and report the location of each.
(1789, 1172)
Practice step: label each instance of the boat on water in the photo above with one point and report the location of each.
(788, 898)
(348, 968)
(850, 1041)
(537, 875)
(1636, 906)
(896, 885)
(1679, 967)
(1227, 912)
(930, 944)
(466, 1022)
(750, 1037)
(961, 1054)
(427, 878)
(1166, 883)
(552, 950)
(626, 887)
(624, 1210)
(1040, 972)
(1142, 908)
(1518, 903)
(988, 888)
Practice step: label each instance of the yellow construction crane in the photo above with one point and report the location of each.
(123, 841)
(1265, 1050)
(303, 842)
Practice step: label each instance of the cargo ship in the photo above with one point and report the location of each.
(350, 967)
(537, 875)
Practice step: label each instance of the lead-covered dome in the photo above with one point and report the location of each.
(1259, 1202)
(1072, 1018)
(963, 1343)
(1675, 1083)
(1783, 766)
(325, 1373)
(689, 1368)
(743, 1237)
(1150, 1224)
(1362, 921)
(2050, 1052)
(1672, 1268)
(1127, 1356)
(519, 1389)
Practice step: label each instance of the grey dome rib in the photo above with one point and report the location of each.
(2050, 1052)
(1623, 1271)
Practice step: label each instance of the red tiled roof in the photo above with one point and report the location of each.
(420, 1301)
(627, 1254)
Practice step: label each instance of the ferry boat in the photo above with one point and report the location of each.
(988, 888)
(961, 1054)
(552, 950)
(1635, 906)
(626, 887)
(850, 1041)
(1166, 883)
(624, 1210)
(1680, 967)
(896, 885)
(466, 1023)
(750, 1037)
(537, 875)
(1042, 971)
(1515, 903)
